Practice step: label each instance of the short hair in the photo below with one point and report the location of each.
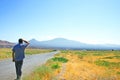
(20, 40)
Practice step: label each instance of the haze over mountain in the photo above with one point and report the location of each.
(63, 43)
(57, 43)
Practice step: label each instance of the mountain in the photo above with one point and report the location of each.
(5, 44)
(56, 43)
(62, 43)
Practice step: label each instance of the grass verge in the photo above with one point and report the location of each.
(7, 52)
(49, 70)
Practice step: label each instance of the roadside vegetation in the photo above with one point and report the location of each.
(79, 65)
(49, 70)
(7, 52)
(74, 65)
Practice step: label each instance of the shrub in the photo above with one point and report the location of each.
(55, 66)
(60, 59)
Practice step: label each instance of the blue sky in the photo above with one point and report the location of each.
(88, 21)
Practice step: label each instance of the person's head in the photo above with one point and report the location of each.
(20, 41)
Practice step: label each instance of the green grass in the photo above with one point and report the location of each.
(40, 73)
(81, 53)
(57, 60)
(112, 57)
(108, 64)
(55, 66)
(118, 57)
(60, 59)
(118, 73)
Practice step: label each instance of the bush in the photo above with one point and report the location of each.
(55, 66)
(60, 59)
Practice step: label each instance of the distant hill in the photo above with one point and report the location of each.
(62, 43)
(5, 44)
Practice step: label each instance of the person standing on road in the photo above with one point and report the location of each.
(18, 55)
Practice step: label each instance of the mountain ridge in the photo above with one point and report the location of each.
(6, 44)
(69, 44)
(62, 43)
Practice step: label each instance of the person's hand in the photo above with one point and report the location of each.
(25, 41)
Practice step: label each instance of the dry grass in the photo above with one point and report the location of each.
(82, 65)
(7, 52)
(31, 51)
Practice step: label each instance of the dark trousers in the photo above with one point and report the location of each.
(18, 66)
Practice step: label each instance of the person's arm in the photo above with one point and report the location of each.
(26, 42)
(13, 56)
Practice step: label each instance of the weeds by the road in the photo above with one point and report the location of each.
(47, 71)
(60, 59)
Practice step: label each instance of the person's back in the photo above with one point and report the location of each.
(18, 55)
(19, 51)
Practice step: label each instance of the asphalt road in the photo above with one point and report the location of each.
(7, 67)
